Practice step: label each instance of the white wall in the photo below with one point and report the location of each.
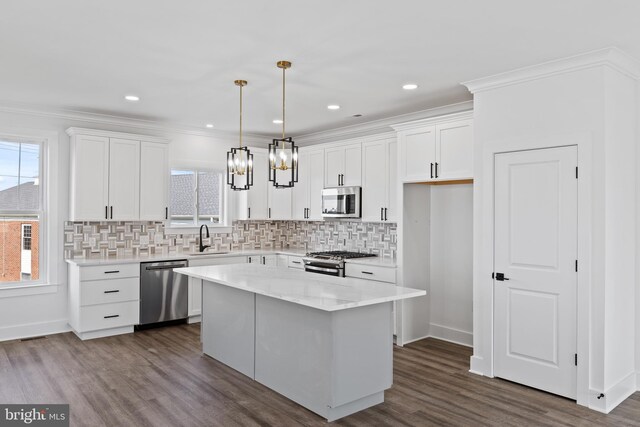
(451, 263)
(32, 315)
(591, 105)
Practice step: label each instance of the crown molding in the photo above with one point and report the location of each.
(73, 131)
(463, 115)
(379, 126)
(611, 57)
(96, 119)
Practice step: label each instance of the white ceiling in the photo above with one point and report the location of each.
(181, 57)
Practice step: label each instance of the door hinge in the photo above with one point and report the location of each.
(576, 172)
(576, 265)
(576, 359)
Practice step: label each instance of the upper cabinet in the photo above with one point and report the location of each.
(253, 202)
(436, 149)
(342, 165)
(307, 193)
(379, 180)
(116, 176)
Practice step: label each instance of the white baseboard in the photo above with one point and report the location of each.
(614, 395)
(476, 365)
(30, 330)
(194, 319)
(455, 336)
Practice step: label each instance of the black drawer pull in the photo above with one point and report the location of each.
(112, 316)
(112, 271)
(367, 272)
(112, 292)
(296, 262)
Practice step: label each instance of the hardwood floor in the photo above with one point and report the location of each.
(158, 377)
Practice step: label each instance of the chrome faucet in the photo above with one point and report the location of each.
(203, 247)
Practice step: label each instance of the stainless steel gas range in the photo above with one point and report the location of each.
(330, 262)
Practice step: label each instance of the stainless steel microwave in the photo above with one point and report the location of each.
(341, 202)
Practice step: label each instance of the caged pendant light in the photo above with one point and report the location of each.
(283, 153)
(240, 160)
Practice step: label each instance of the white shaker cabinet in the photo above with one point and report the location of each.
(109, 170)
(279, 200)
(439, 149)
(342, 165)
(307, 193)
(154, 181)
(379, 180)
(254, 202)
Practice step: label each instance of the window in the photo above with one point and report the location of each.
(20, 210)
(196, 197)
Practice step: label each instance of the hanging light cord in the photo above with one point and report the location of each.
(241, 116)
(284, 69)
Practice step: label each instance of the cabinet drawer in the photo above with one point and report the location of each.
(370, 272)
(106, 316)
(100, 272)
(295, 262)
(109, 291)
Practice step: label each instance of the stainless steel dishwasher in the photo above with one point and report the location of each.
(163, 293)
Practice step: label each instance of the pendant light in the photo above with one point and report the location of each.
(283, 153)
(240, 160)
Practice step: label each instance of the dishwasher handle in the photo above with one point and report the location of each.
(165, 267)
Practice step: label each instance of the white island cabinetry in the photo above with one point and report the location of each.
(323, 342)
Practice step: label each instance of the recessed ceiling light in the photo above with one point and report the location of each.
(132, 98)
(410, 86)
(277, 121)
(333, 107)
(209, 125)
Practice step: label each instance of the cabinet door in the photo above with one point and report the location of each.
(316, 184)
(334, 160)
(271, 260)
(417, 154)
(195, 297)
(392, 199)
(154, 181)
(352, 165)
(300, 192)
(124, 179)
(90, 178)
(454, 150)
(279, 203)
(254, 259)
(257, 207)
(375, 180)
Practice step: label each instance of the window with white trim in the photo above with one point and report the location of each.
(196, 197)
(21, 211)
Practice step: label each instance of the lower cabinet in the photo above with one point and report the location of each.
(263, 259)
(104, 300)
(295, 262)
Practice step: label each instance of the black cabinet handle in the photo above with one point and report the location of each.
(264, 261)
(385, 214)
(106, 212)
(112, 292)
(269, 212)
(248, 213)
(166, 213)
(111, 212)
(436, 169)
(381, 214)
(249, 260)
(296, 262)
(112, 271)
(367, 272)
(431, 170)
(112, 316)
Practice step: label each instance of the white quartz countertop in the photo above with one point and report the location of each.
(318, 291)
(84, 262)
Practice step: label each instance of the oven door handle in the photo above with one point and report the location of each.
(326, 270)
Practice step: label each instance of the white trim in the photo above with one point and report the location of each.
(15, 289)
(611, 57)
(452, 335)
(614, 395)
(462, 115)
(195, 319)
(29, 330)
(378, 126)
(475, 365)
(73, 131)
(103, 332)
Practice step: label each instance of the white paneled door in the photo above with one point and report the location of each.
(535, 268)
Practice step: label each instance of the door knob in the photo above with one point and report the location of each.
(499, 277)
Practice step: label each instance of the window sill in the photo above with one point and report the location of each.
(17, 290)
(213, 229)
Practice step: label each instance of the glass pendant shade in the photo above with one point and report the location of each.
(283, 163)
(240, 160)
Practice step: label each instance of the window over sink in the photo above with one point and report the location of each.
(196, 197)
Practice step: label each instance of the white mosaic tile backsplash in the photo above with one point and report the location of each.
(111, 239)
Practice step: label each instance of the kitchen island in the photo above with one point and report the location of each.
(324, 342)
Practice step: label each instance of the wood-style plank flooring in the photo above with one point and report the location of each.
(159, 377)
